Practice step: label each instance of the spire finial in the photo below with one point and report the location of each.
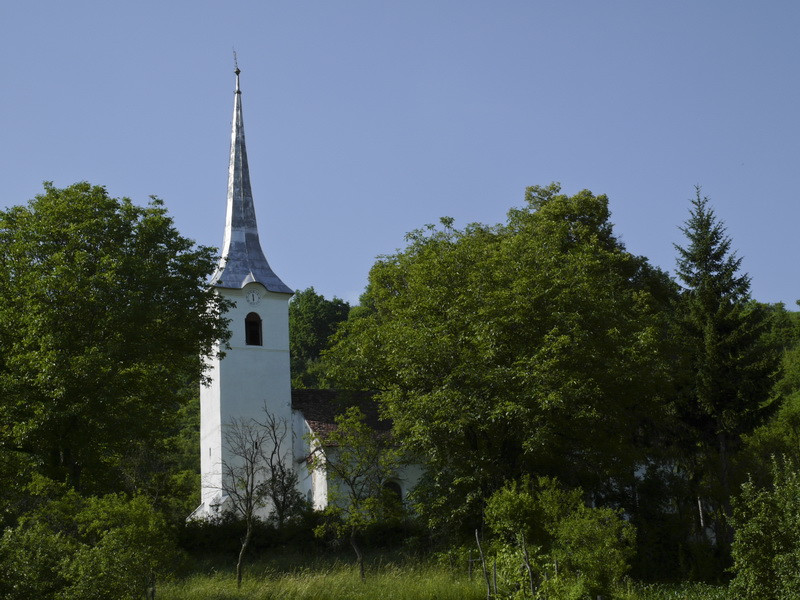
(237, 71)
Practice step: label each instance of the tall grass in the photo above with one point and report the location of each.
(292, 576)
(335, 581)
(394, 583)
(683, 591)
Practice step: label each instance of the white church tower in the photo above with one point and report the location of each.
(255, 369)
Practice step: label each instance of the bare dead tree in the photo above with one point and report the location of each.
(281, 479)
(243, 476)
(258, 473)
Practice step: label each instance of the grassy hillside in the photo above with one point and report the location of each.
(298, 577)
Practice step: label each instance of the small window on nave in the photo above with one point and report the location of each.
(252, 330)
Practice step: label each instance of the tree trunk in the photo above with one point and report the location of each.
(494, 576)
(725, 529)
(701, 518)
(527, 563)
(483, 566)
(65, 463)
(359, 556)
(151, 587)
(245, 544)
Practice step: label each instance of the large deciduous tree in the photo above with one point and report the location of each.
(528, 347)
(104, 317)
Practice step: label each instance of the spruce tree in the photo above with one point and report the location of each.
(729, 368)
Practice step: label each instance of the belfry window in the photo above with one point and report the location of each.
(252, 330)
(393, 490)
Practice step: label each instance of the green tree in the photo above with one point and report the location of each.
(166, 470)
(780, 435)
(730, 366)
(359, 461)
(104, 317)
(535, 346)
(312, 321)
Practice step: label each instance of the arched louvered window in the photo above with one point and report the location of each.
(252, 330)
(392, 489)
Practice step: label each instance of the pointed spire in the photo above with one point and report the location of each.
(242, 260)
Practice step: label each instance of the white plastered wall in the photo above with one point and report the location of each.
(243, 381)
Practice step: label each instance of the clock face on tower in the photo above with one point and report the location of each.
(253, 297)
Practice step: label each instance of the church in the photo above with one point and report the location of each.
(254, 375)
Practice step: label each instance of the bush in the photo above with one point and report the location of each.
(86, 548)
(223, 535)
(766, 546)
(573, 551)
(31, 560)
(596, 544)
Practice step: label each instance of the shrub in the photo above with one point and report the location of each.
(573, 551)
(31, 559)
(766, 546)
(86, 548)
(596, 544)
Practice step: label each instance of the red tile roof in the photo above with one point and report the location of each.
(320, 408)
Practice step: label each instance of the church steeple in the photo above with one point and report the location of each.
(242, 260)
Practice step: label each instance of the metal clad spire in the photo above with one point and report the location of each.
(242, 260)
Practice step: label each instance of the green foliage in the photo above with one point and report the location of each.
(16, 470)
(104, 316)
(72, 547)
(766, 548)
(502, 351)
(683, 591)
(167, 470)
(533, 509)
(779, 436)
(594, 546)
(730, 363)
(126, 544)
(574, 551)
(731, 366)
(513, 510)
(789, 382)
(312, 321)
(359, 461)
(31, 562)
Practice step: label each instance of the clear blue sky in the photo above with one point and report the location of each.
(366, 119)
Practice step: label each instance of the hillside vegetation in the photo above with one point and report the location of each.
(589, 425)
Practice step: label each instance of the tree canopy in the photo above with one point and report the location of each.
(532, 346)
(104, 317)
(732, 368)
(312, 321)
(359, 461)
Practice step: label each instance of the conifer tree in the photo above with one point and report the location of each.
(729, 368)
